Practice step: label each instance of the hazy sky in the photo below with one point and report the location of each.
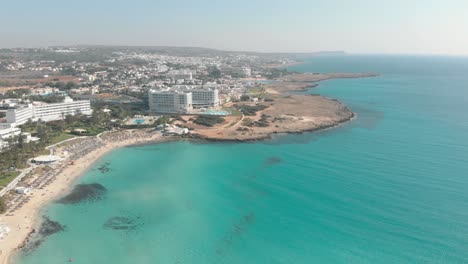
(357, 26)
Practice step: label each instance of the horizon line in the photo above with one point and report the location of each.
(343, 52)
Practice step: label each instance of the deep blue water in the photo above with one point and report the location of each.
(389, 187)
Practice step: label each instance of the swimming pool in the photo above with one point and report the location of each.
(218, 113)
(139, 121)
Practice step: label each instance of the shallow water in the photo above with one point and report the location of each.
(389, 187)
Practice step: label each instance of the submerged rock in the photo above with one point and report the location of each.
(49, 227)
(122, 223)
(273, 160)
(34, 240)
(84, 193)
(104, 168)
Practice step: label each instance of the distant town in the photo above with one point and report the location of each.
(43, 85)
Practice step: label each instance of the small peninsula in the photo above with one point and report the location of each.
(280, 111)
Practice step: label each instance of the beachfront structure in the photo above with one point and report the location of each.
(205, 97)
(23, 190)
(170, 101)
(47, 112)
(48, 159)
(202, 96)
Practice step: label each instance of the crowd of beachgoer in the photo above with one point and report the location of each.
(79, 148)
(141, 134)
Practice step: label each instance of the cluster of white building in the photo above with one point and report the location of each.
(182, 99)
(19, 113)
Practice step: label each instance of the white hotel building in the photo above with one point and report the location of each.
(182, 99)
(205, 98)
(170, 101)
(46, 112)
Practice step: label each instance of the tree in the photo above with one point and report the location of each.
(21, 141)
(70, 85)
(245, 97)
(214, 73)
(69, 119)
(42, 133)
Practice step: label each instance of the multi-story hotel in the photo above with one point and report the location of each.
(50, 112)
(47, 112)
(20, 114)
(170, 101)
(182, 99)
(205, 97)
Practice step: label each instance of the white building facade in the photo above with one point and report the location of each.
(47, 112)
(170, 101)
(20, 115)
(58, 111)
(205, 98)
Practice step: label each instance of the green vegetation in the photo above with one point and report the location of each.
(162, 120)
(17, 155)
(242, 129)
(275, 73)
(48, 99)
(233, 111)
(250, 110)
(18, 152)
(19, 93)
(214, 73)
(121, 111)
(208, 120)
(7, 177)
(62, 85)
(263, 122)
(60, 137)
(257, 92)
(244, 97)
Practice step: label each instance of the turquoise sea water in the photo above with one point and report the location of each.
(389, 187)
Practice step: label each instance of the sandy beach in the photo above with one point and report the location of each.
(25, 219)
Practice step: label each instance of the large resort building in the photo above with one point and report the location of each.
(35, 111)
(205, 98)
(19, 113)
(182, 99)
(170, 101)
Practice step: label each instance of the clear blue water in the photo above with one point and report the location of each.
(139, 121)
(216, 112)
(389, 187)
